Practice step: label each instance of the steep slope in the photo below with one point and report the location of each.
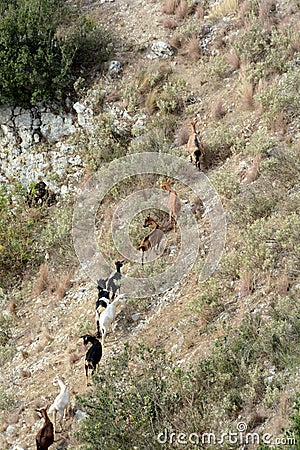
(252, 151)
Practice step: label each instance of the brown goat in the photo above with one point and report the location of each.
(45, 436)
(173, 203)
(153, 239)
(195, 147)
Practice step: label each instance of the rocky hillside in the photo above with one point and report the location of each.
(234, 66)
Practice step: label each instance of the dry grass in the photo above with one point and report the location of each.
(47, 281)
(74, 357)
(42, 282)
(267, 13)
(169, 23)
(182, 135)
(193, 48)
(63, 284)
(176, 41)
(246, 94)
(244, 11)
(223, 8)
(233, 60)
(278, 124)
(217, 110)
(169, 7)
(283, 285)
(245, 285)
(151, 102)
(199, 13)
(181, 10)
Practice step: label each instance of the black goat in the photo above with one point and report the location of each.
(93, 355)
(40, 194)
(114, 281)
(45, 436)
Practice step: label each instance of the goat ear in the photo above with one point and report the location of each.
(168, 180)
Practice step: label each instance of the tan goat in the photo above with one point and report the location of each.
(153, 239)
(195, 147)
(173, 203)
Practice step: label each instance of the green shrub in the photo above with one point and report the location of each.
(259, 143)
(56, 238)
(141, 392)
(253, 204)
(267, 51)
(89, 44)
(209, 296)
(19, 249)
(105, 144)
(226, 184)
(8, 400)
(281, 97)
(38, 54)
(5, 329)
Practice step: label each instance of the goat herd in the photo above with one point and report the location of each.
(107, 301)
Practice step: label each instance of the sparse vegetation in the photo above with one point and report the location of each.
(205, 356)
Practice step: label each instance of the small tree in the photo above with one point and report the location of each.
(36, 54)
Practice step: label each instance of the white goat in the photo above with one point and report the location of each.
(108, 316)
(60, 403)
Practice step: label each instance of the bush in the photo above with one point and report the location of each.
(19, 250)
(36, 56)
(267, 51)
(141, 392)
(281, 97)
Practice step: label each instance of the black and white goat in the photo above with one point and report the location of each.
(93, 355)
(102, 301)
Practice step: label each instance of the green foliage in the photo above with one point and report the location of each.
(5, 329)
(157, 91)
(259, 143)
(226, 184)
(222, 141)
(37, 58)
(105, 144)
(33, 64)
(266, 50)
(89, 44)
(56, 238)
(253, 204)
(126, 408)
(19, 250)
(140, 393)
(7, 400)
(281, 97)
(217, 68)
(209, 296)
(268, 244)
